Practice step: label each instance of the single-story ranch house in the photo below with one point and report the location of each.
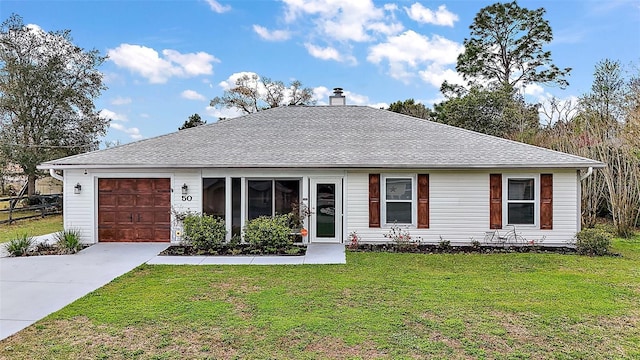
(354, 167)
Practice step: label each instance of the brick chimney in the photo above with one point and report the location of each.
(337, 99)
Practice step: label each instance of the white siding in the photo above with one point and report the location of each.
(78, 209)
(191, 202)
(459, 207)
(458, 200)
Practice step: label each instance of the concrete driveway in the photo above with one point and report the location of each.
(33, 287)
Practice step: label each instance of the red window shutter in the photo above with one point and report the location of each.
(374, 200)
(423, 201)
(495, 201)
(546, 201)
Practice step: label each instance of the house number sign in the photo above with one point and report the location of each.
(187, 198)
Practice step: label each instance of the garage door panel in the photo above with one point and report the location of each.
(107, 234)
(106, 185)
(127, 200)
(107, 217)
(127, 185)
(145, 201)
(124, 217)
(108, 200)
(162, 185)
(162, 218)
(145, 186)
(161, 198)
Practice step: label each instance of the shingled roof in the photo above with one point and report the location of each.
(324, 137)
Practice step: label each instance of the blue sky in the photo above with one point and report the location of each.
(167, 59)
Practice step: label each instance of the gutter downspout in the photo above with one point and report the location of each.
(589, 172)
(55, 175)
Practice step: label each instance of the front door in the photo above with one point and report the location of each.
(326, 210)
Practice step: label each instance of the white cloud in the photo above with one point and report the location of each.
(217, 7)
(222, 113)
(193, 95)
(436, 74)
(133, 132)
(534, 90)
(321, 94)
(192, 64)
(274, 35)
(329, 53)
(121, 101)
(111, 115)
(421, 14)
(147, 63)
(410, 50)
(344, 20)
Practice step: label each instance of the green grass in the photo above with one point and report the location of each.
(32, 227)
(379, 305)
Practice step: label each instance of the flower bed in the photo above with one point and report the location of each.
(450, 249)
(234, 250)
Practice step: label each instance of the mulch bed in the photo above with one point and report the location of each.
(237, 250)
(48, 249)
(439, 249)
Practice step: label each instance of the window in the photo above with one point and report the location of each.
(236, 206)
(268, 197)
(213, 197)
(398, 196)
(521, 201)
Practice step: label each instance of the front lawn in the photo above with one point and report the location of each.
(379, 305)
(32, 227)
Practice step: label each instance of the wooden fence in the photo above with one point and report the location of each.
(24, 207)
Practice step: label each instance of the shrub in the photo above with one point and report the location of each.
(593, 242)
(20, 245)
(204, 232)
(68, 241)
(401, 238)
(444, 245)
(354, 240)
(270, 233)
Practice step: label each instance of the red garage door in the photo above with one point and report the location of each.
(134, 210)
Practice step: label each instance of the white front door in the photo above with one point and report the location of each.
(326, 210)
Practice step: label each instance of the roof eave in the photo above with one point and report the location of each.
(46, 166)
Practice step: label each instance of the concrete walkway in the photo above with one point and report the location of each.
(316, 254)
(33, 287)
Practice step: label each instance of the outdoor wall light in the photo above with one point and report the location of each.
(77, 188)
(185, 188)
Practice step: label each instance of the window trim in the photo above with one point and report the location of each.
(383, 198)
(535, 201)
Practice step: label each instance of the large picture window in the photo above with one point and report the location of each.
(269, 197)
(521, 201)
(398, 196)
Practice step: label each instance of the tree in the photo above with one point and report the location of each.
(193, 121)
(495, 112)
(603, 126)
(412, 108)
(47, 88)
(253, 93)
(608, 114)
(506, 48)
